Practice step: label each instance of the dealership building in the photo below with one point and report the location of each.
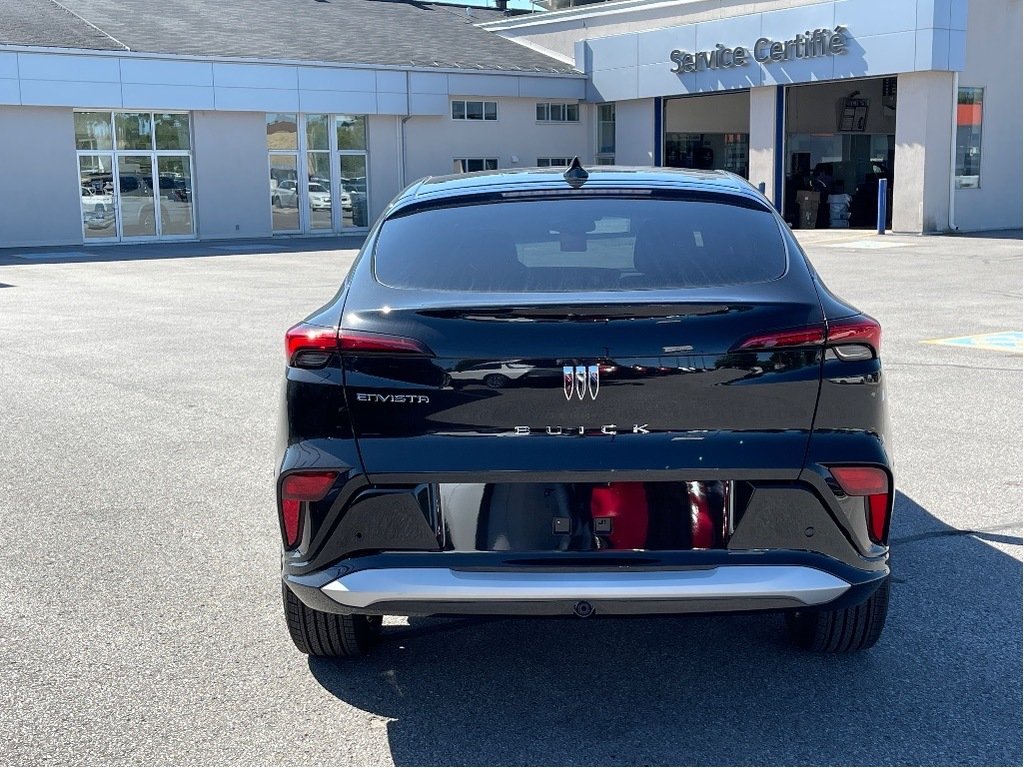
(131, 121)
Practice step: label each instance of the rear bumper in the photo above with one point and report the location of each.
(683, 582)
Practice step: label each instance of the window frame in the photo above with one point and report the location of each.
(465, 110)
(604, 157)
(549, 162)
(302, 153)
(546, 107)
(957, 176)
(116, 153)
(482, 160)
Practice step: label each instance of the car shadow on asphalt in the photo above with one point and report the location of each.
(943, 685)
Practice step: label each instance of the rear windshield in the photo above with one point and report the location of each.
(581, 244)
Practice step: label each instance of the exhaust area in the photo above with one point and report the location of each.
(574, 517)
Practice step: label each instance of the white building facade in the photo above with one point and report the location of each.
(112, 144)
(798, 95)
(128, 147)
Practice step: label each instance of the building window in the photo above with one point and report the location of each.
(969, 105)
(350, 137)
(474, 110)
(605, 154)
(135, 174)
(471, 164)
(283, 146)
(318, 179)
(548, 112)
(553, 162)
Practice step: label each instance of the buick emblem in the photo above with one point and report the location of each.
(579, 380)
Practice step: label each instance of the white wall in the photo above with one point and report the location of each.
(434, 142)
(718, 113)
(634, 132)
(625, 46)
(385, 168)
(921, 175)
(232, 182)
(993, 62)
(41, 204)
(762, 139)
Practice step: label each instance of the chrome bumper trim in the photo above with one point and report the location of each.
(364, 589)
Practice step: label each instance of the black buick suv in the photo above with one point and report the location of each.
(622, 391)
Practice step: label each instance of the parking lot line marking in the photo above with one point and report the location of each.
(1002, 341)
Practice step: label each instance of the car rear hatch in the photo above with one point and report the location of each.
(583, 354)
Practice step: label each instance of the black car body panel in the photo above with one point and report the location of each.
(537, 397)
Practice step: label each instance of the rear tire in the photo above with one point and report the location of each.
(843, 630)
(496, 380)
(332, 635)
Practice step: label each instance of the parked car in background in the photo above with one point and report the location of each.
(286, 195)
(319, 197)
(175, 189)
(495, 375)
(97, 207)
(137, 202)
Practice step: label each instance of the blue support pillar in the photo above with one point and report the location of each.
(659, 139)
(883, 204)
(780, 146)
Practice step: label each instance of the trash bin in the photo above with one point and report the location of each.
(807, 203)
(839, 210)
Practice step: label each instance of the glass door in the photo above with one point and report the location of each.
(99, 211)
(352, 191)
(318, 172)
(350, 140)
(137, 199)
(284, 192)
(174, 180)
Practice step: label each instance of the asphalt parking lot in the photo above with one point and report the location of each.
(141, 618)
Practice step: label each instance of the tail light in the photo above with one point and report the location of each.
(361, 341)
(853, 338)
(871, 483)
(311, 346)
(297, 489)
(813, 336)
